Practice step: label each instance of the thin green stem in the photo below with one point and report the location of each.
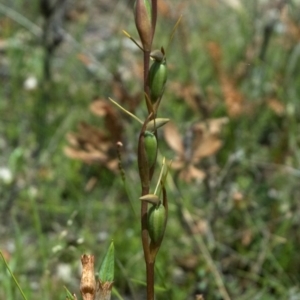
(123, 177)
(38, 227)
(146, 86)
(160, 175)
(173, 32)
(126, 111)
(132, 39)
(154, 15)
(12, 275)
(189, 221)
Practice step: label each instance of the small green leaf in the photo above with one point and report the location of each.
(106, 272)
(12, 275)
(69, 295)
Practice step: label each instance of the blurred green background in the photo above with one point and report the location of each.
(233, 92)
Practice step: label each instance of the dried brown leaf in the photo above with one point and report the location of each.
(72, 139)
(87, 157)
(196, 173)
(276, 106)
(99, 107)
(163, 8)
(91, 184)
(188, 262)
(113, 123)
(91, 134)
(189, 93)
(113, 165)
(177, 164)
(211, 126)
(173, 138)
(83, 58)
(247, 237)
(208, 146)
(234, 99)
(190, 172)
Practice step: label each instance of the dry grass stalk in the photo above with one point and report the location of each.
(88, 281)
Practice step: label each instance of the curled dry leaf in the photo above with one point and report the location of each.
(206, 137)
(89, 138)
(100, 108)
(234, 99)
(191, 94)
(208, 146)
(190, 173)
(292, 28)
(212, 126)
(113, 124)
(87, 157)
(247, 237)
(276, 106)
(92, 146)
(202, 140)
(173, 138)
(170, 9)
(188, 262)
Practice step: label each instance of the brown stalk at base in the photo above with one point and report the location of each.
(88, 282)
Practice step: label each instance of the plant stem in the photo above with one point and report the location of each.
(12, 275)
(144, 216)
(149, 257)
(154, 15)
(150, 280)
(146, 71)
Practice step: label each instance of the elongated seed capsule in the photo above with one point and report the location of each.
(156, 222)
(157, 78)
(150, 143)
(143, 20)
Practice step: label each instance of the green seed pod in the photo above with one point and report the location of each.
(150, 143)
(157, 78)
(156, 222)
